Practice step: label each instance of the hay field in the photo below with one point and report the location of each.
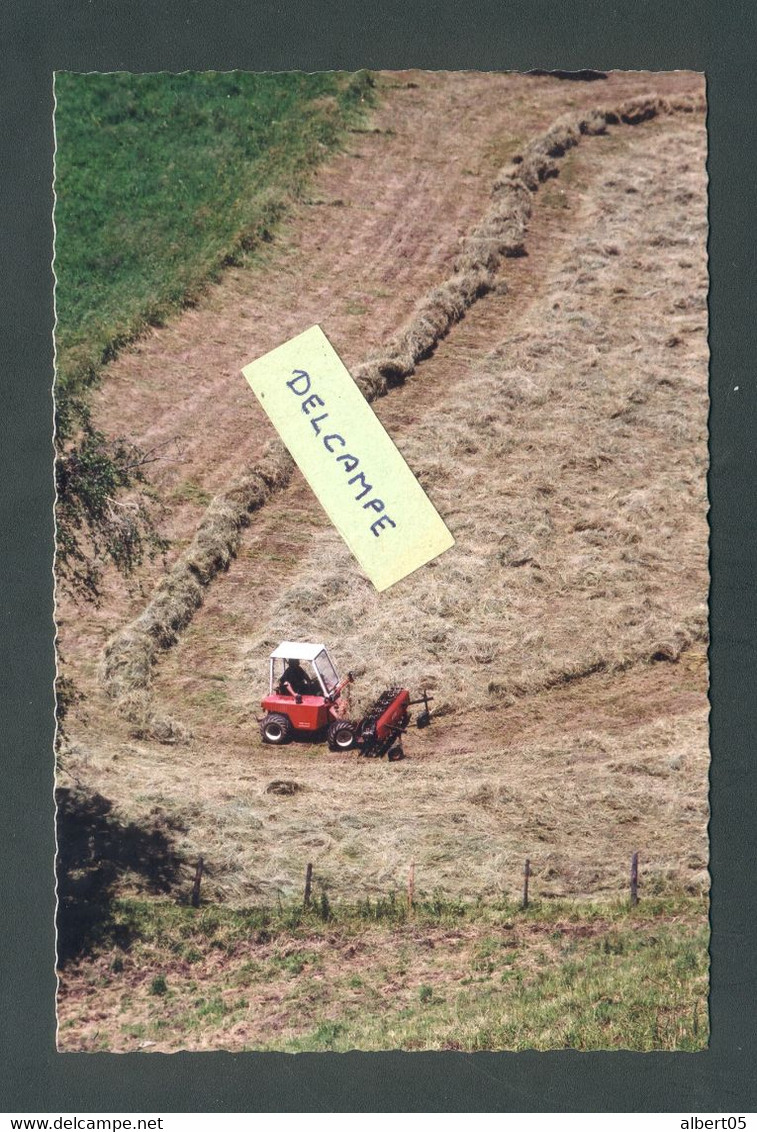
(560, 429)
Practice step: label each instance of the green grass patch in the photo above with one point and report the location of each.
(176, 925)
(163, 179)
(190, 492)
(477, 976)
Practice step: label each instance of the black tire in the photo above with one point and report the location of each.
(276, 729)
(394, 754)
(341, 735)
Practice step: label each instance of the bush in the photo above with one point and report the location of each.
(104, 510)
(158, 985)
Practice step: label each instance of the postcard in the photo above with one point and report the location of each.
(382, 561)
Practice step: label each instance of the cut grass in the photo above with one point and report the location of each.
(161, 180)
(569, 463)
(557, 571)
(485, 975)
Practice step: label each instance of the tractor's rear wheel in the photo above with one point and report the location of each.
(276, 729)
(341, 735)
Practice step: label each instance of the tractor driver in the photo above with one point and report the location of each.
(295, 680)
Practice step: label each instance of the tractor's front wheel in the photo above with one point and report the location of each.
(341, 735)
(276, 729)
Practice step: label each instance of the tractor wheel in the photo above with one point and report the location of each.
(394, 754)
(341, 735)
(276, 729)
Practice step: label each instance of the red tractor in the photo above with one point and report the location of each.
(305, 698)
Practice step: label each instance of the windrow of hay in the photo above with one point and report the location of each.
(500, 234)
(131, 655)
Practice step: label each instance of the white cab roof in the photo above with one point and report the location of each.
(297, 650)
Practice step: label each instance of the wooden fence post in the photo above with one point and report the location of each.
(634, 880)
(411, 887)
(526, 875)
(196, 885)
(308, 885)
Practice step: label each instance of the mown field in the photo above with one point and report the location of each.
(560, 429)
(449, 976)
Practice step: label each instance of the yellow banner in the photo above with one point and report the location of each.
(347, 457)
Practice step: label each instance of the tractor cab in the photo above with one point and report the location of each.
(311, 665)
(304, 692)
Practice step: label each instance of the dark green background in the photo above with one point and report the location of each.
(40, 37)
